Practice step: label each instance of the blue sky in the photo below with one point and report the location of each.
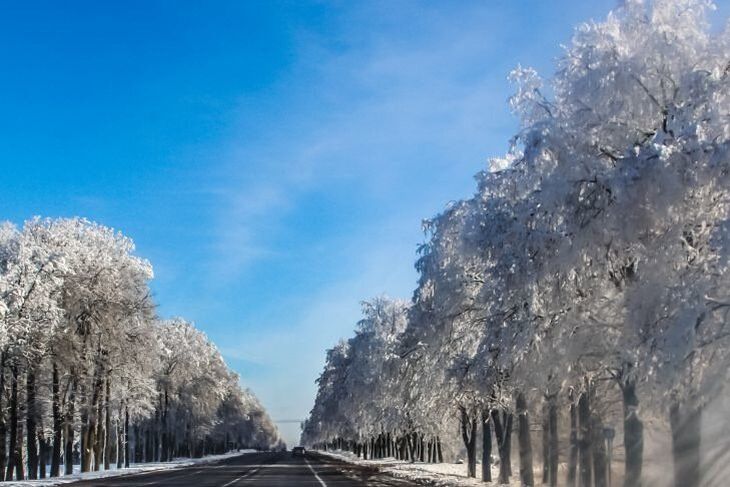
(273, 160)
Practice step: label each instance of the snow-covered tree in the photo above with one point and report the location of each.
(591, 261)
(85, 360)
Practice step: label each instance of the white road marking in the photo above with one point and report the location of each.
(247, 474)
(155, 482)
(316, 475)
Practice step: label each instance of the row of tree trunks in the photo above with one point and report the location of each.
(411, 446)
(587, 464)
(97, 434)
(142, 443)
(501, 422)
(587, 453)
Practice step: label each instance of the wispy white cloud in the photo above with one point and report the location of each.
(391, 125)
(250, 213)
(388, 109)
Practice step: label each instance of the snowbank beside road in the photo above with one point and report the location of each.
(433, 474)
(134, 469)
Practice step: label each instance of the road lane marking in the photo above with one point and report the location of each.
(155, 482)
(247, 474)
(316, 475)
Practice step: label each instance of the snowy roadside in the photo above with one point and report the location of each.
(432, 474)
(134, 469)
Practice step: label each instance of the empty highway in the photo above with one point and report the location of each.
(275, 469)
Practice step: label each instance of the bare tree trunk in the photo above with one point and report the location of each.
(600, 477)
(633, 435)
(573, 454)
(545, 442)
(99, 435)
(503, 432)
(145, 431)
(120, 440)
(84, 430)
(88, 433)
(553, 447)
(30, 424)
(14, 450)
(90, 442)
(469, 435)
(525, 443)
(68, 455)
(126, 436)
(138, 445)
(584, 440)
(486, 447)
(19, 464)
(157, 428)
(43, 447)
(685, 421)
(164, 426)
(107, 426)
(508, 423)
(57, 422)
(3, 428)
(412, 444)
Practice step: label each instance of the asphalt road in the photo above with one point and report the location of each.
(260, 469)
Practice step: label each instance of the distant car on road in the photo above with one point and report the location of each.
(298, 451)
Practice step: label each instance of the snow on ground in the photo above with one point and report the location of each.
(434, 474)
(135, 468)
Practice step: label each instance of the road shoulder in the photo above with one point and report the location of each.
(134, 470)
